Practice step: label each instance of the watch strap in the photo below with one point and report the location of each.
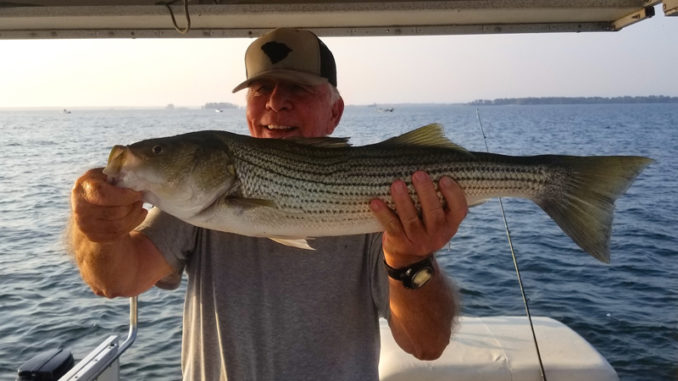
(408, 274)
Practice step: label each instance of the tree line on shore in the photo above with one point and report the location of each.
(218, 105)
(573, 100)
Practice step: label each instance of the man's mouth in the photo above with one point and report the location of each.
(279, 131)
(277, 127)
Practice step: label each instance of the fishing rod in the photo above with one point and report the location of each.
(515, 261)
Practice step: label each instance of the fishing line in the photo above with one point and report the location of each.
(515, 261)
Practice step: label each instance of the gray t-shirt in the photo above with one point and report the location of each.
(258, 310)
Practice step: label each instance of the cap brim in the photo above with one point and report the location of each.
(293, 76)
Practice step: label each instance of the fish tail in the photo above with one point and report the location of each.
(582, 203)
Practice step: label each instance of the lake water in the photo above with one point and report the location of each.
(628, 310)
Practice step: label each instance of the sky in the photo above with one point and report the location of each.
(638, 60)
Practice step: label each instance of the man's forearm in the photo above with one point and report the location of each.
(421, 319)
(102, 265)
(116, 268)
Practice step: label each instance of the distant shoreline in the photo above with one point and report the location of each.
(220, 106)
(573, 100)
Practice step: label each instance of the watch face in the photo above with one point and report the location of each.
(422, 276)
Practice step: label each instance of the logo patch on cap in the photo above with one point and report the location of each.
(276, 51)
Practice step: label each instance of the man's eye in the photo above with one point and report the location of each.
(300, 89)
(262, 89)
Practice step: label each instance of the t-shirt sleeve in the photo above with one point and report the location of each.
(380, 292)
(174, 239)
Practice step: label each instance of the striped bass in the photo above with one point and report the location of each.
(293, 189)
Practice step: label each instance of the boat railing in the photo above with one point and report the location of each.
(103, 362)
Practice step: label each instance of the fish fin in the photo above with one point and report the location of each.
(583, 206)
(237, 204)
(431, 135)
(300, 243)
(477, 202)
(321, 142)
(248, 203)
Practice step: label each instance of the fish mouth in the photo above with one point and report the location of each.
(116, 160)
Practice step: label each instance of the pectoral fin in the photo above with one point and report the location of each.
(237, 206)
(241, 205)
(248, 203)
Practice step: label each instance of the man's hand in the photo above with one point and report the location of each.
(103, 212)
(409, 237)
(113, 259)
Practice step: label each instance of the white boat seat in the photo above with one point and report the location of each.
(499, 348)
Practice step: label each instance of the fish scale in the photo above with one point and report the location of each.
(289, 190)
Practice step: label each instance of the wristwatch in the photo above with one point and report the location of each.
(414, 275)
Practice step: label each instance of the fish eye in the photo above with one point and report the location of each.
(157, 150)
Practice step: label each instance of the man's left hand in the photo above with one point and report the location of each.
(410, 236)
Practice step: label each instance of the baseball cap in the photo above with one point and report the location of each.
(291, 54)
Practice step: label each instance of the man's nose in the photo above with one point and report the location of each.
(279, 99)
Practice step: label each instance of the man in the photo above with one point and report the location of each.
(257, 310)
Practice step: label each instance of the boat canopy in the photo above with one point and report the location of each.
(44, 19)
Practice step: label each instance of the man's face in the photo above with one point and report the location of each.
(281, 109)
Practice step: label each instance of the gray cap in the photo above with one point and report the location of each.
(289, 54)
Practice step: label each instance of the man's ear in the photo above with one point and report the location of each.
(337, 111)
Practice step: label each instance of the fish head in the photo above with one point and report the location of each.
(181, 174)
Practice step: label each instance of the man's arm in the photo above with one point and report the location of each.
(113, 259)
(421, 319)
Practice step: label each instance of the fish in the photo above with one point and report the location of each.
(292, 190)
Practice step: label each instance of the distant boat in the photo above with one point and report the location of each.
(66, 111)
(218, 110)
(386, 109)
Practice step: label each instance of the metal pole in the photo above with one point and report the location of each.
(132, 334)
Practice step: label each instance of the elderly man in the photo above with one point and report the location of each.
(257, 310)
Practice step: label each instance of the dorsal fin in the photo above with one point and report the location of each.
(430, 135)
(322, 142)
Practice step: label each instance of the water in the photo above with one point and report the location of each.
(628, 310)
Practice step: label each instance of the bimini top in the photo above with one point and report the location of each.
(41, 19)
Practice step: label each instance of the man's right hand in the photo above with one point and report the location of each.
(114, 260)
(104, 212)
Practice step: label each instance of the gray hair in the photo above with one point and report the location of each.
(334, 93)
